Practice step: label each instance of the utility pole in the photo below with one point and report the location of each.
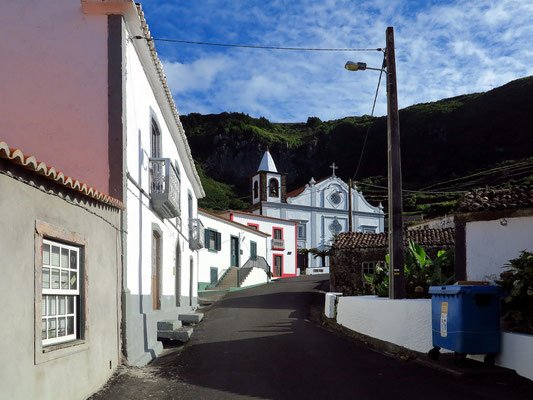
(350, 222)
(396, 251)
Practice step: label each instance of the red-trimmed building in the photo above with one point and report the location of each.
(282, 250)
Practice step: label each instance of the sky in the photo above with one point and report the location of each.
(443, 49)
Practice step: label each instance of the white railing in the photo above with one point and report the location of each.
(196, 234)
(278, 244)
(164, 188)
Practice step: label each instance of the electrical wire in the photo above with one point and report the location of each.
(247, 46)
(412, 191)
(371, 115)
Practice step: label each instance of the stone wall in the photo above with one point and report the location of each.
(345, 270)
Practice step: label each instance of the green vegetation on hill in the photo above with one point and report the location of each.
(218, 196)
(453, 144)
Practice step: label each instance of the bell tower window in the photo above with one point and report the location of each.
(273, 188)
(256, 189)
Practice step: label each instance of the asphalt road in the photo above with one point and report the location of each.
(260, 343)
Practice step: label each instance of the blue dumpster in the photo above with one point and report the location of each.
(466, 320)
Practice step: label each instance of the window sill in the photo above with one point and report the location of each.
(212, 250)
(55, 351)
(64, 345)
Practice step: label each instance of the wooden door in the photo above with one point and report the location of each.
(156, 271)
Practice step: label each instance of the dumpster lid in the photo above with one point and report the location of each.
(456, 289)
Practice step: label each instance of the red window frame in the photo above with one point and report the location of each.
(253, 226)
(274, 228)
(274, 265)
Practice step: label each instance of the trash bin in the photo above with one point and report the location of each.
(466, 320)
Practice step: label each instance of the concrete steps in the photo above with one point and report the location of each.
(175, 329)
(229, 280)
(182, 334)
(190, 318)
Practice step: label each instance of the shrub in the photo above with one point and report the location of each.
(517, 307)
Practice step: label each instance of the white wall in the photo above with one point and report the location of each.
(490, 245)
(141, 106)
(221, 259)
(289, 236)
(145, 99)
(257, 276)
(407, 323)
(54, 86)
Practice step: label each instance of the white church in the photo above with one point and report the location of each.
(319, 208)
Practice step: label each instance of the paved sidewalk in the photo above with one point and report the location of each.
(260, 343)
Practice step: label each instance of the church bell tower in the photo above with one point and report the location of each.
(267, 184)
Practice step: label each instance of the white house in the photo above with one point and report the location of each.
(88, 95)
(161, 187)
(492, 227)
(234, 255)
(321, 209)
(281, 250)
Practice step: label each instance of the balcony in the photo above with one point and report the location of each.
(278, 244)
(196, 234)
(164, 188)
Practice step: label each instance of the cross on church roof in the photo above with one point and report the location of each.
(333, 167)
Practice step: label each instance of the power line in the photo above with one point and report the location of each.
(412, 191)
(369, 125)
(247, 46)
(485, 172)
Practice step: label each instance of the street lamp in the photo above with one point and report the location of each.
(359, 66)
(396, 268)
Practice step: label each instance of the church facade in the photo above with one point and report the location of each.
(320, 210)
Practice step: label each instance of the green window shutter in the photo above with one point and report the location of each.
(219, 241)
(253, 250)
(206, 238)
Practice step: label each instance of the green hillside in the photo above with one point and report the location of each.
(465, 136)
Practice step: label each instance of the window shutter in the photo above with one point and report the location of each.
(219, 241)
(206, 238)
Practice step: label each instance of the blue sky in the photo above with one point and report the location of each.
(443, 49)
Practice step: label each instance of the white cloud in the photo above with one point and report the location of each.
(442, 50)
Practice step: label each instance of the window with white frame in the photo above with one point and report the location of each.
(300, 231)
(60, 292)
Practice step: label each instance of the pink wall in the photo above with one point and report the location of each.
(53, 86)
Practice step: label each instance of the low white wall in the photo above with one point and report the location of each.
(406, 323)
(490, 245)
(255, 277)
(517, 353)
(317, 270)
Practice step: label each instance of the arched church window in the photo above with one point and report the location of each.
(256, 189)
(273, 188)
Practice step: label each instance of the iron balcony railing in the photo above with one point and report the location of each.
(164, 188)
(253, 262)
(196, 234)
(278, 244)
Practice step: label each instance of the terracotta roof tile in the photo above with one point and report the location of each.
(424, 237)
(488, 200)
(30, 163)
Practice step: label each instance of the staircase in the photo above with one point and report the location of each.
(229, 280)
(180, 329)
